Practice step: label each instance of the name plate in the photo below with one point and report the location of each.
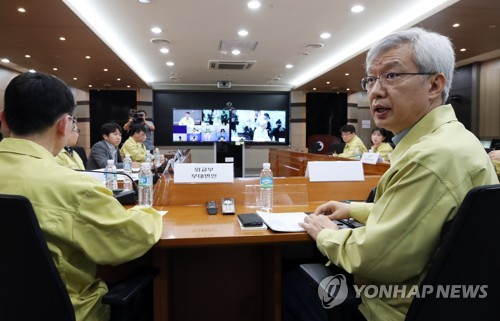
(203, 173)
(370, 158)
(334, 171)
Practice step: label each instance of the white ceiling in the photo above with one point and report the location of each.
(282, 29)
(195, 29)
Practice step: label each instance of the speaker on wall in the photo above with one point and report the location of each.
(326, 113)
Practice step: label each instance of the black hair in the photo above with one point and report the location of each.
(34, 101)
(384, 132)
(348, 129)
(109, 128)
(136, 128)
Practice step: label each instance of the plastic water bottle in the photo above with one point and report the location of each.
(357, 154)
(127, 169)
(145, 185)
(157, 158)
(147, 159)
(266, 188)
(110, 175)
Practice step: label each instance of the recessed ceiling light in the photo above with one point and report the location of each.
(463, 49)
(32, 71)
(170, 63)
(105, 69)
(27, 56)
(347, 74)
(348, 89)
(288, 66)
(327, 82)
(314, 88)
(357, 9)
(74, 78)
(90, 86)
(5, 60)
(253, 4)
(144, 1)
(164, 50)
(156, 30)
(325, 35)
(128, 86)
(62, 38)
(455, 25)
(243, 33)
(55, 69)
(118, 79)
(22, 10)
(235, 52)
(87, 57)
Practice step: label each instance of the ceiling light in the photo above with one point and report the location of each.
(160, 41)
(455, 25)
(62, 38)
(170, 63)
(90, 86)
(22, 10)
(5, 60)
(105, 69)
(156, 30)
(314, 88)
(32, 71)
(347, 74)
(357, 9)
(348, 89)
(27, 56)
(327, 82)
(253, 4)
(118, 79)
(243, 33)
(463, 49)
(288, 66)
(55, 69)
(87, 57)
(235, 52)
(74, 78)
(128, 86)
(164, 50)
(144, 1)
(325, 35)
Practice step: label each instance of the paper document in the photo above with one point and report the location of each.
(283, 222)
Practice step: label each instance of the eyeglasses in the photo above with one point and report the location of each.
(73, 119)
(388, 78)
(76, 130)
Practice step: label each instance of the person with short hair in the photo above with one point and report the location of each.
(83, 224)
(352, 141)
(379, 139)
(134, 145)
(107, 148)
(436, 162)
(67, 156)
(141, 119)
(187, 120)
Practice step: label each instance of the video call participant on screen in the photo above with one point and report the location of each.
(278, 131)
(83, 223)
(187, 120)
(260, 133)
(140, 118)
(107, 148)
(67, 156)
(352, 141)
(435, 163)
(134, 145)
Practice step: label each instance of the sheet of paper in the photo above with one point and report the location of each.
(283, 222)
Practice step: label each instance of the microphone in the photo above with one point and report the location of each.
(125, 197)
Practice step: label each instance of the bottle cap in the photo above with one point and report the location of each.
(111, 161)
(266, 165)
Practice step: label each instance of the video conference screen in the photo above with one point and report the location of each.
(201, 118)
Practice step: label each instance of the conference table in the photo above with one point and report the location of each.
(211, 269)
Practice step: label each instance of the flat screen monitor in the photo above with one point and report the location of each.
(202, 118)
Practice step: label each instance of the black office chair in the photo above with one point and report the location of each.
(81, 152)
(467, 256)
(30, 285)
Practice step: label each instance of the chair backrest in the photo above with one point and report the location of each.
(30, 285)
(466, 264)
(81, 152)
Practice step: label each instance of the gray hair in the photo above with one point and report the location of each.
(431, 52)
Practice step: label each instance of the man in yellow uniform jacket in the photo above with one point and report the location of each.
(134, 145)
(352, 142)
(83, 223)
(435, 163)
